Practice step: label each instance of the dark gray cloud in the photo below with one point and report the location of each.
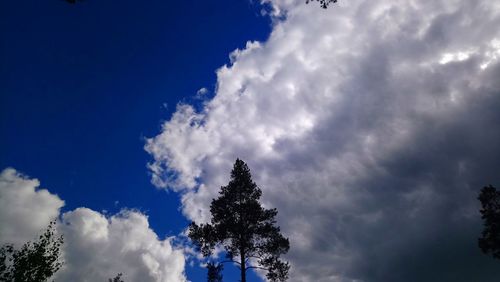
(370, 126)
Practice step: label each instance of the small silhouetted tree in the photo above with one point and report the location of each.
(117, 278)
(244, 228)
(35, 262)
(489, 242)
(214, 272)
(323, 3)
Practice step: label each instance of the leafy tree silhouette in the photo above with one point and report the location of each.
(323, 3)
(35, 261)
(489, 242)
(244, 228)
(214, 272)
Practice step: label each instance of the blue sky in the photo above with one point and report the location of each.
(371, 126)
(82, 86)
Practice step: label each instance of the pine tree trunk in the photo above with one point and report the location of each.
(243, 268)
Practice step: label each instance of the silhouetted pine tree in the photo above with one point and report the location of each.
(244, 228)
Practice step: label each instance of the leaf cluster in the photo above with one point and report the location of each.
(117, 278)
(35, 261)
(489, 242)
(323, 3)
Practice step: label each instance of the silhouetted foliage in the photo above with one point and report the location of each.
(35, 261)
(244, 228)
(118, 278)
(489, 242)
(72, 1)
(323, 3)
(214, 272)
(5, 255)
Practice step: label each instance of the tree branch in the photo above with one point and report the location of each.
(231, 261)
(258, 267)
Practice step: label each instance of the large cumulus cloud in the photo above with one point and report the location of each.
(20, 196)
(370, 126)
(96, 246)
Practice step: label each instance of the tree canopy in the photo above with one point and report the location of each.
(489, 242)
(245, 230)
(35, 261)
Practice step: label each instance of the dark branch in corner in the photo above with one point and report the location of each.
(323, 3)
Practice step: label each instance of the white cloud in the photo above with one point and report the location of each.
(201, 93)
(19, 198)
(369, 144)
(96, 246)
